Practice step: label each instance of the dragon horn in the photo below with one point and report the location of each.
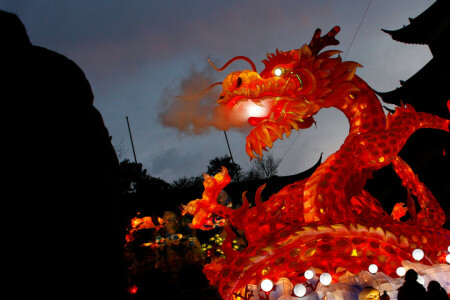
(319, 42)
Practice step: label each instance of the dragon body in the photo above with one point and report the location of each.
(327, 222)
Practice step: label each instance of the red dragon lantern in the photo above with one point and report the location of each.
(328, 221)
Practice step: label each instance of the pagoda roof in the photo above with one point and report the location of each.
(426, 89)
(427, 27)
(273, 184)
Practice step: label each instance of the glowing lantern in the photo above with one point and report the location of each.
(447, 258)
(266, 285)
(309, 274)
(373, 268)
(401, 271)
(325, 279)
(299, 290)
(418, 254)
(448, 249)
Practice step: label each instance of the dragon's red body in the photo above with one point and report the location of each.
(328, 221)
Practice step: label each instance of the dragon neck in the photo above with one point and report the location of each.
(362, 109)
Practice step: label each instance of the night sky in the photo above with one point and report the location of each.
(136, 54)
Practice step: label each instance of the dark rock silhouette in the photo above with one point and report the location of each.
(63, 236)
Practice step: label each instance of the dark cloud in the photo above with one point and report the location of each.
(171, 162)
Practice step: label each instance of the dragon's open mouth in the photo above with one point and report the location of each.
(268, 105)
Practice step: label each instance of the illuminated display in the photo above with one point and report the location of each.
(327, 223)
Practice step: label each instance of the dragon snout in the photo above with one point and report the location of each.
(239, 82)
(239, 79)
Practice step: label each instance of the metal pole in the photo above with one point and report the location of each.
(229, 149)
(131, 138)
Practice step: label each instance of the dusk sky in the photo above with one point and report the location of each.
(136, 54)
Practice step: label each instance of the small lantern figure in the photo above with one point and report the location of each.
(373, 268)
(299, 290)
(266, 285)
(309, 274)
(325, 279)
(418, 254)
(401, 271)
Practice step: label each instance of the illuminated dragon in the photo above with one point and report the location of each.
(328, 221)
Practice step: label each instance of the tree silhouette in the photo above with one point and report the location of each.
(215, 166)
(264, 168)
(141, 191)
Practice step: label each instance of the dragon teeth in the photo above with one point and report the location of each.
(258, 90)
(257, 102)
(263, 87)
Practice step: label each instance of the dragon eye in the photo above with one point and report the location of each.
(278, 72)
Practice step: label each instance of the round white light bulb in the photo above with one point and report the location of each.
(448, 249)
(299, 290)
(447, 258)
(278, 72)
(401, 271)
(420, 279)
(266, 285)
(373, 268)
(309, 274)
(325, 279)
(418, 254)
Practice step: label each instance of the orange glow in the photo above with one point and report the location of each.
(133, 290)
(327, 222)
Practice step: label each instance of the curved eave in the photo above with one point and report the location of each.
(426, 27)
(392, 97)
(406, 36)
(273, 184)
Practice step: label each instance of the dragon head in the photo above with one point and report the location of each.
(291, 89)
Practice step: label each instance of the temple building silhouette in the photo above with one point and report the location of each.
(427, 151)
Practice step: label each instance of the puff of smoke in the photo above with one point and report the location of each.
(196, 116)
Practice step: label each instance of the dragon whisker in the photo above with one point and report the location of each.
(200, 94)
(232, 60)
